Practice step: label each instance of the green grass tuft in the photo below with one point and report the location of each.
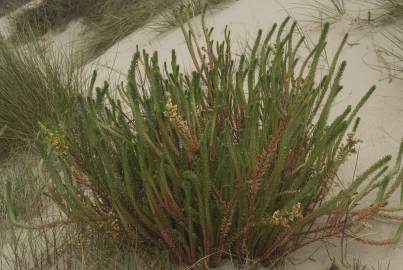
(35, 85)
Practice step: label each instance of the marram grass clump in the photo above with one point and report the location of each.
(36, 85)
(238, 158)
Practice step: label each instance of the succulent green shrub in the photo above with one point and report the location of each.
(238, 157)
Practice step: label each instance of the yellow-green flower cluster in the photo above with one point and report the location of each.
(56, 138)
(287, 217)
(171, 112)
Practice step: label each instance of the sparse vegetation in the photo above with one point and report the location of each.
(370, 12)
(117, 24)
(359, 265)
(384, 12)
(384, 15)
(109, 21)
(191, 8)
(114, 27)
(394, 52)
(325, 11)
(26, 184)
(237, 157)
(18, 247)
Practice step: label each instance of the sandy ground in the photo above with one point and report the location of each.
(382, 118)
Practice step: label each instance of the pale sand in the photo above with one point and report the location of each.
(382, 124)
